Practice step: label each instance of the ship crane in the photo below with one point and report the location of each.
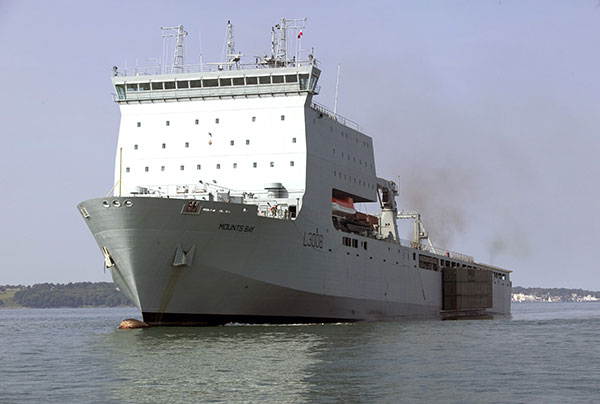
(420, 233)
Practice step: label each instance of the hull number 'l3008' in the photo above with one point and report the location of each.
(314, 240)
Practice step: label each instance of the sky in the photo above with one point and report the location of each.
(486, 113)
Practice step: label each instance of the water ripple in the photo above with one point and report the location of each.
(543, 353)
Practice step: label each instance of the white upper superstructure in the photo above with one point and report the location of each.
(238, 129)
(240, 142)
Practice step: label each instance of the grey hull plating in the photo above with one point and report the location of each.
(249, 268)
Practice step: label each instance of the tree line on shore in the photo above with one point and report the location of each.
(79, 294)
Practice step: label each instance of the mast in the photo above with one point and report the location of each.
(279, 39)
(337, 87)
(232, 56)
(283, 42)
(178, 55)
(273, 43)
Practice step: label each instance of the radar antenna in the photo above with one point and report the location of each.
(180, 34)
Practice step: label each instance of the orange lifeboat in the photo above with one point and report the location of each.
(343, 207)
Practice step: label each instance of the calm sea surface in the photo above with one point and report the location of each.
(544, 353)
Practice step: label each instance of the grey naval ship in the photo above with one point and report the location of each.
(236, 195)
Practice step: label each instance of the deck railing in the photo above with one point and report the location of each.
(205, 68)
(437, 251)
(338, 118)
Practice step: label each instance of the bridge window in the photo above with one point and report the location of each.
(264, 79)
(131, 87)
(303, 81)
(238, 81)
(291, 78)
(120, 91)
(225, 82)
(251, 80)
(277, 79)
(157, 86)
(169, 85)
(211, 83)
(196, 83)
(183, 84)
(144, 86)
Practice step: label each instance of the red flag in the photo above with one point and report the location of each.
(300, 34)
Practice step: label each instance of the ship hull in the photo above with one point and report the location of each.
(226, 264)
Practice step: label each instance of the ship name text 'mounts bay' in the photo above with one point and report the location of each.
(235, 200)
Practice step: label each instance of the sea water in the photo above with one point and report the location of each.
(543, 353)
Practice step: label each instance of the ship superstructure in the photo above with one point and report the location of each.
(234, 200)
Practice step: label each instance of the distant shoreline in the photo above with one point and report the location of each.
(553, 295)
(106, 294)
